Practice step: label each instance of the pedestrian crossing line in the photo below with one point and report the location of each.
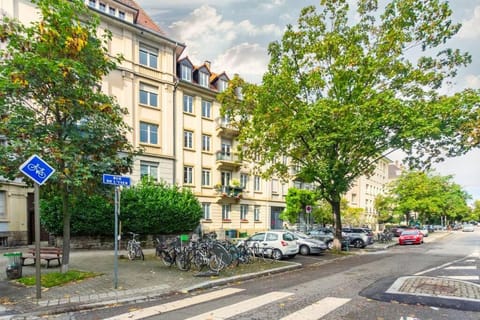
(462, 277)
(318, 309)
(461, 268)
(166, 307)
(470, 260)
(241, 307)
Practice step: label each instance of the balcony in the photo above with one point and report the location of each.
(225, 128)
(229, 193)
(228, 161)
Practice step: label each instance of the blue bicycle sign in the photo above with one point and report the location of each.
(37, 169)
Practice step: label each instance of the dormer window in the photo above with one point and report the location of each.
(103, 7)
(121, 15)
(203, 79)
(186, 73)
(112, 11)
(222, 85)
(92, 3)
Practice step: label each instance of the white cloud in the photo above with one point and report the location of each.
(272, 4)
(472, 81)
(471, 27)
(248, 60)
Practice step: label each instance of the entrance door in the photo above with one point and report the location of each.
(275, 221)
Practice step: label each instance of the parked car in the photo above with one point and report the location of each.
(424, 230)
(326, 235)
(410, 236)
(359, 237)
(468, 227)
(283, 242)
(397, 231)
(308, 245)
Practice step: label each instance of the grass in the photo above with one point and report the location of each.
(53, 279)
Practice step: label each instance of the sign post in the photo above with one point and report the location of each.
(117, 181)
(308, 211)
(39, 171)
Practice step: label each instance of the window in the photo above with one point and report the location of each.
(226, 148)
(206, 141)
(274, 186)
(243, 180)
(112, 11)
(92, 3)
(206, 210)
(256, 213)
(3, 199)
(203, 79)
(187, 104)
(149, 169)
(226, 177)
(226, 208)
(121, 14)
(103, 7)
(148, 57)
(206, 109)
(243, 211)
(206, 173)
(188, 175)
(148, 133)
(256, 183)
(188, 139)
(148, 95)
(222, 85)
(186, 73)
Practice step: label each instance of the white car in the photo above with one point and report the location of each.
(468, 228)
(282, 242)
(424, 231)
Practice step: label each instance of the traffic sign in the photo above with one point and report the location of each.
(308, 208)
(116, 180)
(37, 169)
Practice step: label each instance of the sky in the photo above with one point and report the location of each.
(234, 36)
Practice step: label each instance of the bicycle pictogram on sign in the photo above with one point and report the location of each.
(37, 169)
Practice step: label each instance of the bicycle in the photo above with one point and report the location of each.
(266, 253)
(134, 250)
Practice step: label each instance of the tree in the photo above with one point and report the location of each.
(156, 208)
(339, 95)
(296, 201)
(50, 103)
(428, 196)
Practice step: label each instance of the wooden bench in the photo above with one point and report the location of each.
(46, 253)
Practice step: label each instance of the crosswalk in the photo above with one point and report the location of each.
(463, 269)
(315, 311)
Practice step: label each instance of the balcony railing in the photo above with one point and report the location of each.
(225, 128)
(232, 192)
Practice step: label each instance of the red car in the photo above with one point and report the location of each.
(410, 236)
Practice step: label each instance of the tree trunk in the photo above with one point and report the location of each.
(66, 229)
(337, 241)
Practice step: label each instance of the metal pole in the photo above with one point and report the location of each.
(38, 285)
(115, 239)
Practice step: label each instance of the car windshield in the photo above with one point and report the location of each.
(409, 232)
(301, 235)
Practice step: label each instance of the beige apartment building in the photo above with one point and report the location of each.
(176, 120)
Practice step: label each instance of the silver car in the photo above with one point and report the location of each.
(283, 243)
(308, 245)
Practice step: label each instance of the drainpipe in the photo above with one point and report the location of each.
(175, 84)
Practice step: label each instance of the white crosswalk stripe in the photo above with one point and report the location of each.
(166, 307)
(241, 307)
(314, 311)
(318, 309)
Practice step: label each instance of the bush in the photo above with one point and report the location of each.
(156, 208)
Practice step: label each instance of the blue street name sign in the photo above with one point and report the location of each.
(116, 180)
(37, 169)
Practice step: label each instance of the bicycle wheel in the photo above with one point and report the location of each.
(183, 262)
(167, 259)
(235, 254)
(139, 253)
(131, 252)
(199, 260)
(216, 264)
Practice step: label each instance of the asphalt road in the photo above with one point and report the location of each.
(349, 288)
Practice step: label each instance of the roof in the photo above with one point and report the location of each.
(143, 18)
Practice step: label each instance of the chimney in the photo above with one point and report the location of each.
(207, 63)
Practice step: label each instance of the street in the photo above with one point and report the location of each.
(354, 287)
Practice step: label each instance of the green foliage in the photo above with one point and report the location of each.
(295, 203)
(92, 215)
(384, 205)
(429, 196)
(53, 279)
(339, 94)
(156, 208)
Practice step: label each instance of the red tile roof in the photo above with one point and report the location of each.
(143, 18)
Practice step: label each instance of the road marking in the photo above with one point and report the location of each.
(470, 260)
(166, 307)
(441, 266)
(461, 268)
(461, 277)
(241, 307)
(318, 309)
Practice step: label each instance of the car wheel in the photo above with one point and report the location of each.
(358, 243)
(304, 250)
(277, 254)
(330, 245)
